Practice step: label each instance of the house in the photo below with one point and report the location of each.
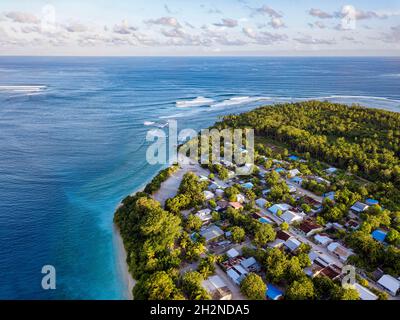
(222, 205)
(320, 258)
(231, 174)
(261, 202)
(293, 173)
(214, 186)
(292, 189)
(372, 202)
(379, 235)
(280, 170)
(359, 207)
(291, 217)
(341, 252)
(389, 283)
(278, 243)
(234, 275)
(236, 205)
(322, 239)
(219, 192)
(250, 264)
(329, 195)
(309, 228)
(237, 273)
(273, 293)
(283, 235)
(293, 158)
(282, 207)
(292, 244)
(204, 215)
(331, 170)
(203, 178)
(247, 185)
(208, 195)
(333, 272)
(240, 198)
(320, 180)
(297, 180)
(353, 224)
(217, 288)
(211, 233)
(245, 170)
(265, 192)
(232, 253)
(364, 293)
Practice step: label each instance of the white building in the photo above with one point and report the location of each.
(365, 294)
(391, 284)
(322, 239)
(279, 207)
(232, 253)
(208, 195)
(293, 173)
(204, 215)
(291, 217)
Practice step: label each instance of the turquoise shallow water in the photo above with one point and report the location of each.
(72, 144)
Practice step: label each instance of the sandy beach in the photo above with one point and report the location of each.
(122, 265)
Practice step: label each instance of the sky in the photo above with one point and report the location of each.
(204, 27)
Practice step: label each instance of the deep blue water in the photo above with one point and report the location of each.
(72, 149)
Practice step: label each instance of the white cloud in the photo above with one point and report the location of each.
(309, 40)
(228, 23)
(277, 23)
(124, 28)
(319, 13)
(164, 21)
(76, 27)
(22, 17)
(266, 10)
(264, 38)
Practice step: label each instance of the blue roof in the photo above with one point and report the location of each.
(265, 220)
(379, 235)
(248, 185)
(279, 170)
(293, 158)
(273, 292)
(296, 179)
(371, 202)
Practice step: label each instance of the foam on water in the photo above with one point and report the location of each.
(197, 102)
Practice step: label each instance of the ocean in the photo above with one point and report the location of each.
(72, 145)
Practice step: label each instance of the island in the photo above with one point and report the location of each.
(322, 199)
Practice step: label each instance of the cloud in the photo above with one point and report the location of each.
(350, 12)
(393, 36)
(309, 40)
(277, 23)
(266, 10)
(317, 24)
(22, 17)
(30, 29)
(76, 27)
(228, 23)
(124, 28)
(165, 21)
(319, 13)
(264, 38)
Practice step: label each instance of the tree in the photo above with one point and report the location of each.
(253, 287)
(300, 290)
(193, 222)
(264, 233)
(207, 266)
(191, 285)
(159, 286)
(284, 226)
(350, 294)
(238, 234)
(275, 265)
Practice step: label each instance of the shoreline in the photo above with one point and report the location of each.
(122, 265)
